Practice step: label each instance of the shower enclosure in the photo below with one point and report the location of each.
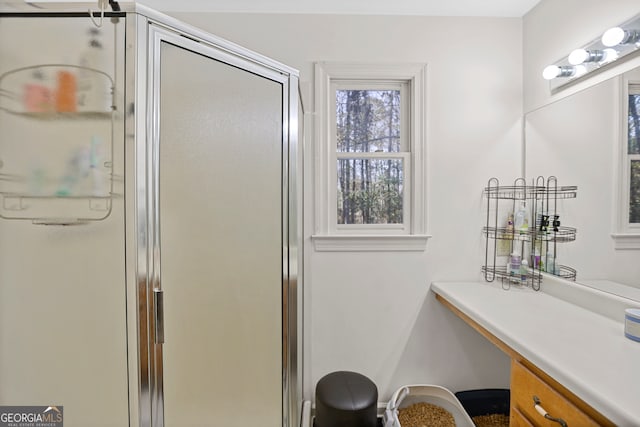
(148, 221)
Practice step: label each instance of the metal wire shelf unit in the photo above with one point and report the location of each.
(542, 235)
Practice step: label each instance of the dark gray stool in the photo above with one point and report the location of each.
(346, 399)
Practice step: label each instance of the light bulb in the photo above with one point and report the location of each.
(578, 56)
(610, 55)
(613, 36)
(552, 71)
(579, 70)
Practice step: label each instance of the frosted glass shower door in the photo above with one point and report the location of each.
(221, 238)
(63, 299)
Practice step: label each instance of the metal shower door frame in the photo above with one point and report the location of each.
(144, 36)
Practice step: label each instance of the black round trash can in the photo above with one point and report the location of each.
(346, 399)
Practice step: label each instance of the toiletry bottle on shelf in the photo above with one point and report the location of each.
(515, 262)
(521, 220)
(509, 227)
(98, 176)
(524, 272)
(76, 174)
(550, 264)
(543, 224)
(504, 244)
(65, 96)
(556, 266)
(535, 259)
(36, 96)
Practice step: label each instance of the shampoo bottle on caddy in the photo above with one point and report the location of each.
(524, 272)
(521, 219)
(550, 265)
(515, 262)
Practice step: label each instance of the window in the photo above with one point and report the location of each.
(627, 235)
(370, 157)
(632, 165)
(372, 154)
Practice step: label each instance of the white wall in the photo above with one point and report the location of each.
(373, 312)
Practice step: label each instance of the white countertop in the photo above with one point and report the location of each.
(583, 350)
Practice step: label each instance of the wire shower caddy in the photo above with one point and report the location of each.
(543, 234)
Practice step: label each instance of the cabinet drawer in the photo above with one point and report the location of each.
(516, 419)
(526, 386)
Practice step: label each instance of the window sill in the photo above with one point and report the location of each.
(626, 240)
(369, 243)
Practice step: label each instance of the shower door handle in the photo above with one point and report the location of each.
(158, 303)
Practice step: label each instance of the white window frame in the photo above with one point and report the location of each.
(626, 234)
(409, 236)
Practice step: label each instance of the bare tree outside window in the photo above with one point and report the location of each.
(370, 182)
(634, 164)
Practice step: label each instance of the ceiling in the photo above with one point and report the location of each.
(499, 8)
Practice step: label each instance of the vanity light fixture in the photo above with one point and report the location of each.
(617, 43)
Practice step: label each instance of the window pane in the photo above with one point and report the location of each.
(634, 124)
(368, 121)
(370, 191)
(634, 193)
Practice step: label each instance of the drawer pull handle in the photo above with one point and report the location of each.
(545, 414)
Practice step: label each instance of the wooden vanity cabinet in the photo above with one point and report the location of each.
(527, 389)
(527, 381)
(516, 419)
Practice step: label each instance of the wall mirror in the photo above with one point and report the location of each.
(579, 139)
